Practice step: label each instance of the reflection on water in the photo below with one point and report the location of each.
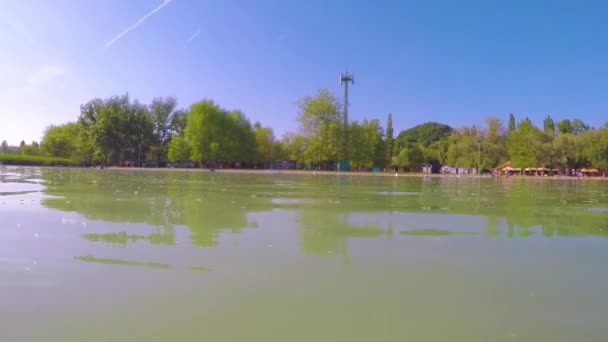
(121, 262)
(126, 209)
(295, 257)
(118, 238)
(329, 210)
(434, 232)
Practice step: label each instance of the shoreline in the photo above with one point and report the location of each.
(317, 173)
(346, 173)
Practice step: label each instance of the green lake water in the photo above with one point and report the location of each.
(118, 255)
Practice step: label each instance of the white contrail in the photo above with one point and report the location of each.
(137, 23)
(194, 35)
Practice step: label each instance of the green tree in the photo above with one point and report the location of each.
(161, 111)
(564, 152)
(179, 119)
(410, 157)
(587, 144)
(564, 126)
(578, 126)
(511, 122)
(402, 158)
(375, 137)
(598, 151)
(526, 121)
(294, 146)
(326, 145)
(390, 139)
(115, 130)
(463, 148)
(436, 154)
(493, 143)
(424, 135)
(238, 141)
(264, 143)
(31, 150)
(178, 151)
(89, 153)
(204, 127)
(62, 141)
(548, 125)
(525, 145)
(216, 135)
(368, 146)
(280, 151)
(321, 123)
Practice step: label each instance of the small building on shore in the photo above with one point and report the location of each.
(454, 170)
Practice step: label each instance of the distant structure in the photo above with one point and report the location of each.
(344, 79)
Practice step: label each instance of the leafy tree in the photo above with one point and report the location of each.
(526, 122)
(294, 146)
(598, 154)
(511, 122)
(402, 158)
(321, 123)
(62, 141)
(368, 146)
(179, 119)
(264, 142)
(525, 145)
(279, 150)
(316, 111)
(115, 129)
(578, 126)
(564, 126)
(436, 153)
(161, 111)
(423, 135)
(89, 112)
(587, 144)
(178, 150)
(204, 127)
(463, 148)
(238, 141)
(390, 139)
(409, 157)
(326, 145)
(493, 143)
(548, 125)
(31, 150)
(216, 135)
(564, 152)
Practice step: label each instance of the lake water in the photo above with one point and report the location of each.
(118, 255)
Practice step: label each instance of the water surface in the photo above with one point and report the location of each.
(118, 255)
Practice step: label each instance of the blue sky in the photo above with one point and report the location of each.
(449, 61)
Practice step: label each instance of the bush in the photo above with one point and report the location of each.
(21, 159)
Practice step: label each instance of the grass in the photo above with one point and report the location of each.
(21, 159)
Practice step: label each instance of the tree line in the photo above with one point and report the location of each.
(121, 131)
